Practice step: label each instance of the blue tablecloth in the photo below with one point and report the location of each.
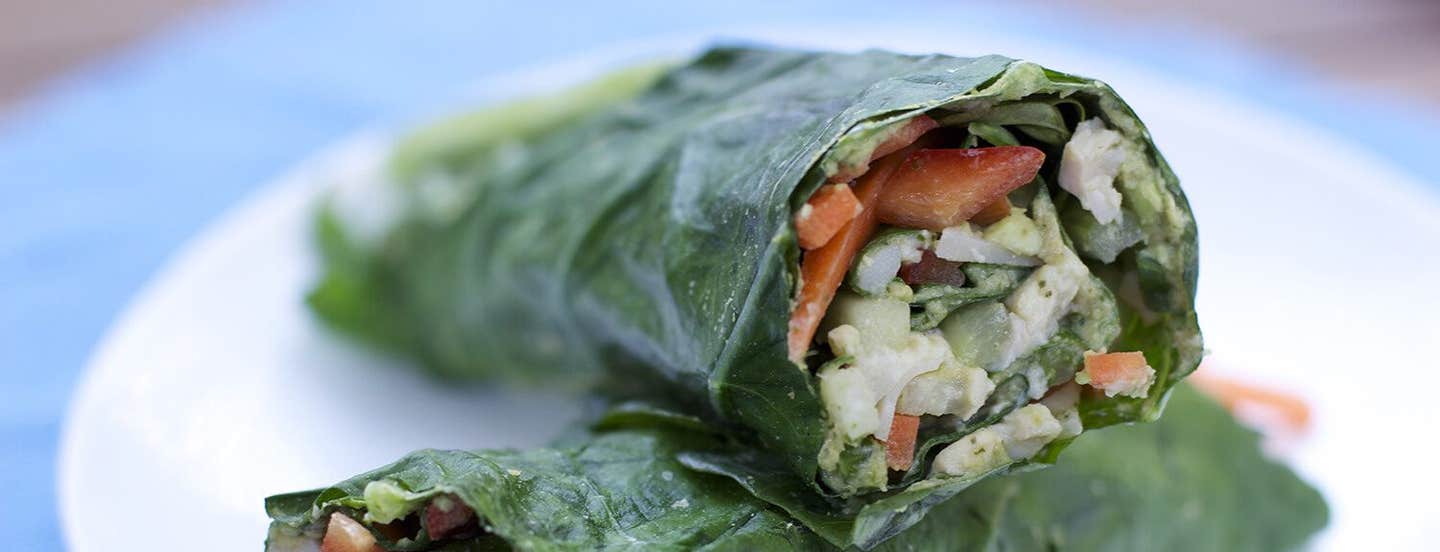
(108, 171)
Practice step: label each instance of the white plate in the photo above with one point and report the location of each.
(216, 388)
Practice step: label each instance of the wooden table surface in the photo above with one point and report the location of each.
(1391, 45)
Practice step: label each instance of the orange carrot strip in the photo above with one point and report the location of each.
(900, 447)
(938, 188)
(1233, 395)
(1108, 368)
(825, 214)
(822, 269)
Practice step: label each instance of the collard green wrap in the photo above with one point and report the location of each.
(1193, 481)
(637, 235)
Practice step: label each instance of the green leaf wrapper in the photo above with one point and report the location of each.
(1193, 481)
(637, 236)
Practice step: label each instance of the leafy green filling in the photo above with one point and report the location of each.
(984, 282)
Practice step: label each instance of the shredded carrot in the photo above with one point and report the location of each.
(900, 447)
(1108, 368)
(993, 212)
(1236, 397)
(825, 214)
(822, 269)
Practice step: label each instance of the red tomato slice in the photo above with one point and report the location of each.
(938, 188)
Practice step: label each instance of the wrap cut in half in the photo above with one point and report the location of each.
(886, 277)
(1192, 481)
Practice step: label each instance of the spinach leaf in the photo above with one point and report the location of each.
(888, 249)
(615, 490)
(1100, 242)
(1194, 480)
(991, 134)
(1040, 120)
(985, 282)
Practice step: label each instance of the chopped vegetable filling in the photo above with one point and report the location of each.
(931, 269)
(822, 269)
(961, 243)
(957, 275)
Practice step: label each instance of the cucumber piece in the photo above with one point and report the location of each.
(1100, 242)
(880, 320)
(1017, 233)
(979, 334)
(879, 261)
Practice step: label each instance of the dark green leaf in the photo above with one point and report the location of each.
(620, 489)
(1100, 242)
(991, 134)
(1193, 481)
(1040, 120)
(984, 282)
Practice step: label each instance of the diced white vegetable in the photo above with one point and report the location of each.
(1019, 435)
(972, 455)
(953, 389)
(849, 401)
(1041, 301)
(875, 271)
(1027, 430)
(860, 398)
(1037, 306)
(1088, 167)
(1017, 233)
(879, 264)
(962, 244)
